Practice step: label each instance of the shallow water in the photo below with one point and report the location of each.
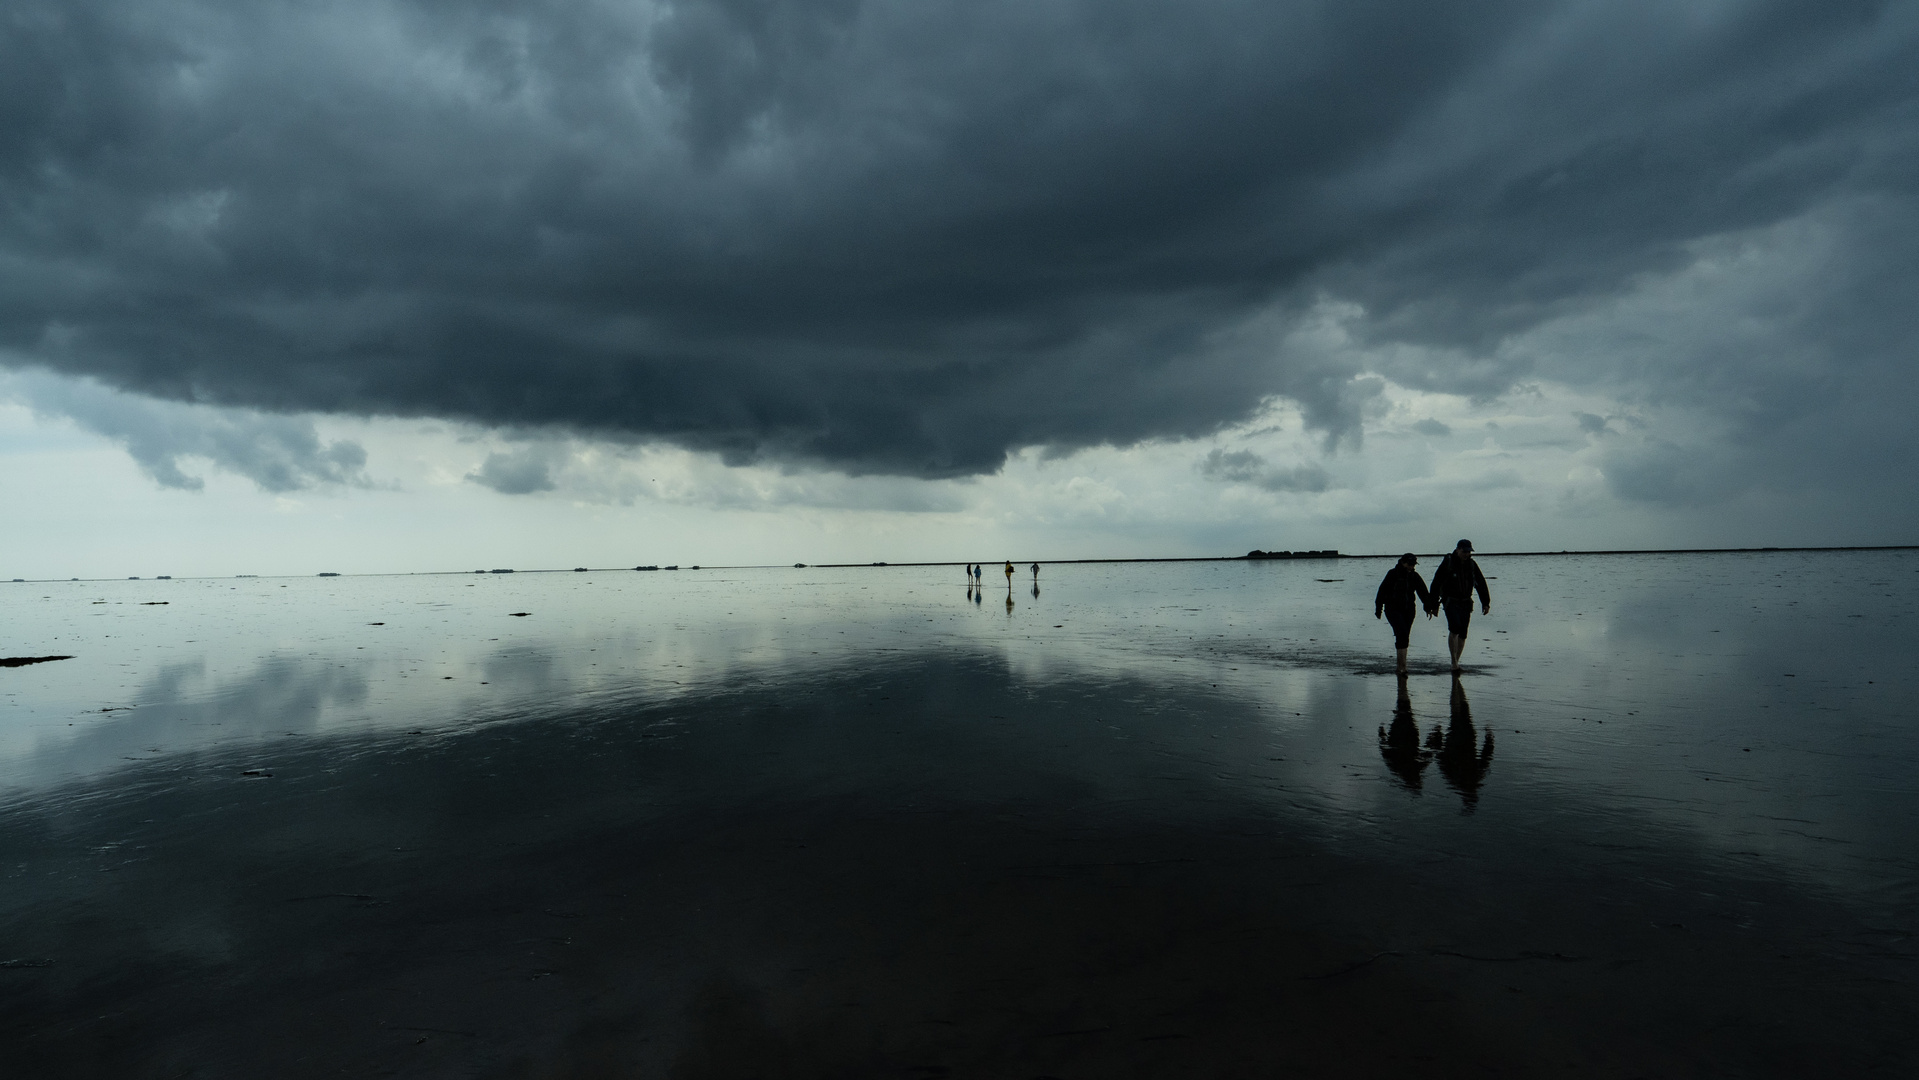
(1677, 790)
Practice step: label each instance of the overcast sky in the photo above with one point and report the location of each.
(370, 285)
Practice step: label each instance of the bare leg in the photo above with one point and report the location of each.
(1455, 642)
(1402, 661)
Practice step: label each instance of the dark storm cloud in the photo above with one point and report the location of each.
(905, 237)
(1790, 366)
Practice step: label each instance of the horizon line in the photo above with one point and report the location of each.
(1282, 556)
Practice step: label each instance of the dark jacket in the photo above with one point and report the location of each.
(1397, 590)
(1457, 579)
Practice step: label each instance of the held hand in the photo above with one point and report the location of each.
(1376, 612)
(1486, 608)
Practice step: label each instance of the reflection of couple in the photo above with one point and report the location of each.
(1463, 760)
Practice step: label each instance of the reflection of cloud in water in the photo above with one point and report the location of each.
(287, 693)
(280, 695)
(820, 820)
(528, 669)
(1608, 664)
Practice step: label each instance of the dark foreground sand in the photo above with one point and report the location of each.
(929, 869)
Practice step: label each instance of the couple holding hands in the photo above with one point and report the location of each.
(1454, 583)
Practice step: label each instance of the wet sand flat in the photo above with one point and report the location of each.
(956, 846)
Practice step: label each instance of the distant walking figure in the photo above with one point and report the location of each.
(1401, 586)
(1009, 576)
(1035, 571)
(1454, 583)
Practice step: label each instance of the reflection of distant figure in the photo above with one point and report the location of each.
(1463, 763)
(1395, 597)
(1399, 745)
(1009, 598)
(1036, 590)
(979, 596)
(1453, 585)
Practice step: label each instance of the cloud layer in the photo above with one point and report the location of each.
(280, 454)
(910, 238)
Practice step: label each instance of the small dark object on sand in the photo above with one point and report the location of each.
(518, 614)
(376, 624)
(23, 661)
(258, 774)
(155, 603)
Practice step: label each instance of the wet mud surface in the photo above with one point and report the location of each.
(918, 868)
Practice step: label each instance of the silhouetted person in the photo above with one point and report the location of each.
(1453, 585)
(1399, 745)
(1036, 572)
(1009, 578)
(1396, 597)
(1462, 760)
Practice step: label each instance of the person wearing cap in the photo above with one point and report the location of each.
(1395, 597)
(1454, 583)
